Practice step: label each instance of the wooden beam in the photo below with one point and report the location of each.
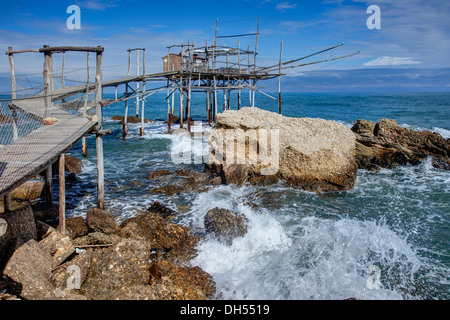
(48, 49)
(62, 196)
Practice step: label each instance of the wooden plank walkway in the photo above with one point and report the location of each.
(31, 154)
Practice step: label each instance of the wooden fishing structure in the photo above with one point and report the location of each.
(212, 69)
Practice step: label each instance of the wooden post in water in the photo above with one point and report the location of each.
(169, 113)
(137, 83)
(279, 79)
(99, 137)
(239, 66)
(49, 185)
(47, 81)
(181, 89)
(141, 132)
(250, 94)
(100, 172)
(191, 55)
(215, 99)
(62, 195)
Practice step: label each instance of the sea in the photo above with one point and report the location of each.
(387, 239)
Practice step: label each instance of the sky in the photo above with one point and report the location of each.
(408, 53)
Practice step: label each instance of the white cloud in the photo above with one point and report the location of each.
(100, 5)
(283, 6)
(391, 61)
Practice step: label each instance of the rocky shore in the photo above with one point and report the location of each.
(146, 257)
(149, 256)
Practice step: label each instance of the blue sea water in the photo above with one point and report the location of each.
(299, 245)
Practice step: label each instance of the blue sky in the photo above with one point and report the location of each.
(413, 38)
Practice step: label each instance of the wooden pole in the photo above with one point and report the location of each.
(137, 83)
(181, 89)
(143, 96)
(47, 82)
(86, 97)
(208, 104)
(63, 66)
(13, 74)
(51, 75)
(99, 136)
(249, 88)
(224, 99)
(173, 99)
(100, 172)
(98, 88)
(62, 196)
(141, 132)
(169, 114)
(49, 185)
(125, 118)
(13, 93)
(239, 66)
(191, 55)
(129, 62)
(279, 79)
(215, 99)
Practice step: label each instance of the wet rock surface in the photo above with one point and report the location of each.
(225, 225)
(385, 145)
(147, 257)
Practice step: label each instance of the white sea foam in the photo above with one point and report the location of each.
(305, 258)
(443, 132)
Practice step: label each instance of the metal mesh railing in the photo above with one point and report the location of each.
(15, 124)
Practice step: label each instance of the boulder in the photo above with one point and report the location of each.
(101, 221)
(76, 227)
(31, 266)
(123, 265)
(29, 191)
(225, 224)
(96, 239)
(163, 211)
(160, 173)
(312, 154)
(73, 164)
(21, 226)
(166, 237)
(385, 145)
(58, 246)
